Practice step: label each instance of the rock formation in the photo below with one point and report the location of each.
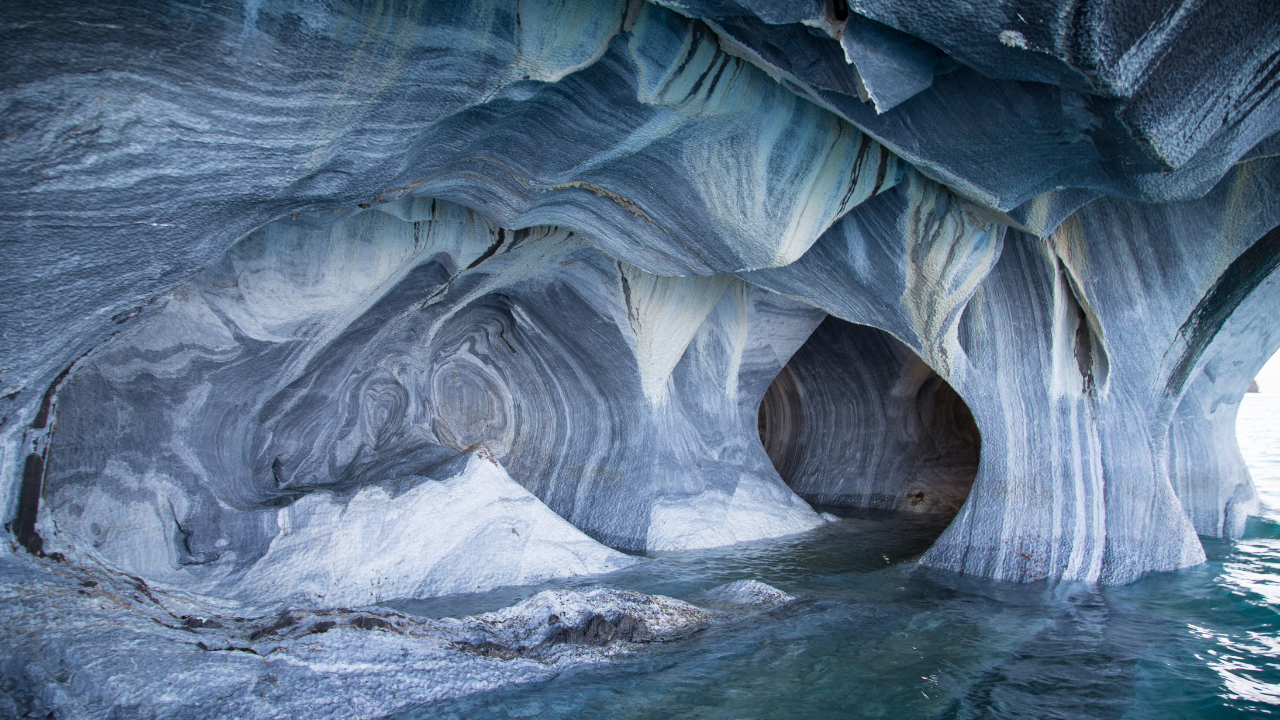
(337, 304)
(305, 397)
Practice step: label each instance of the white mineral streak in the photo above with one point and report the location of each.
(950, 251)
(558, 38)
(665, 313)
(774, 170)
(737, 350)
(472, 532)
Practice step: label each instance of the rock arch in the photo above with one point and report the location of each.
(313, 371)
(1205, 465)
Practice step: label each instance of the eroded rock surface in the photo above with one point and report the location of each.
(295, 424)
(325, 305)
(91, 644)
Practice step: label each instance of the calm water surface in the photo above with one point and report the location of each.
(874, 636)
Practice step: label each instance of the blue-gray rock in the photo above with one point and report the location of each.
(353, 366)
(1072, 351)
(272, 263)
(1205, 464)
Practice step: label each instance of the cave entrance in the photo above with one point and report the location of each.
(857, 420)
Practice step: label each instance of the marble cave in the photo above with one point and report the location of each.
(309, 307)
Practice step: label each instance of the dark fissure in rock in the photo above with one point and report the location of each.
(24, 525)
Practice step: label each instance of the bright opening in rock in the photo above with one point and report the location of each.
(857, 420)
(1257, 434)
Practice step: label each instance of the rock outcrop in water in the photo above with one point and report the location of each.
(335, 304)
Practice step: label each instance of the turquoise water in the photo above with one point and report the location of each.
(874, 636)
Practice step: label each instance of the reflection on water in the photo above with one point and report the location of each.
(874, 636)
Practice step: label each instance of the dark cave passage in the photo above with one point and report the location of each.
(857, 420)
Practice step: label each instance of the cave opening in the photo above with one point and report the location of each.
(1258, 438)
(857, 421)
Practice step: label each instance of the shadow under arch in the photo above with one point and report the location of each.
(858, 420)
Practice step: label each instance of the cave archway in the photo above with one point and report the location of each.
(322, 394)
(1237, 337)
(857, 420)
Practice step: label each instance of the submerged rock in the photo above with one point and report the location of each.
(746, 593)
(596, 617)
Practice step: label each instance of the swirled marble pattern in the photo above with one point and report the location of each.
(1078, 410)
(268, 260)
(339, 373)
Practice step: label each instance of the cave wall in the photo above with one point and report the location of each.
(1031, 107)
(1205, 464)
(353, 367)
(560, 119)
(1061, 217)
(1074, 415)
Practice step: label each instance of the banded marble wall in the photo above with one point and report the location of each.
(356, 366)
